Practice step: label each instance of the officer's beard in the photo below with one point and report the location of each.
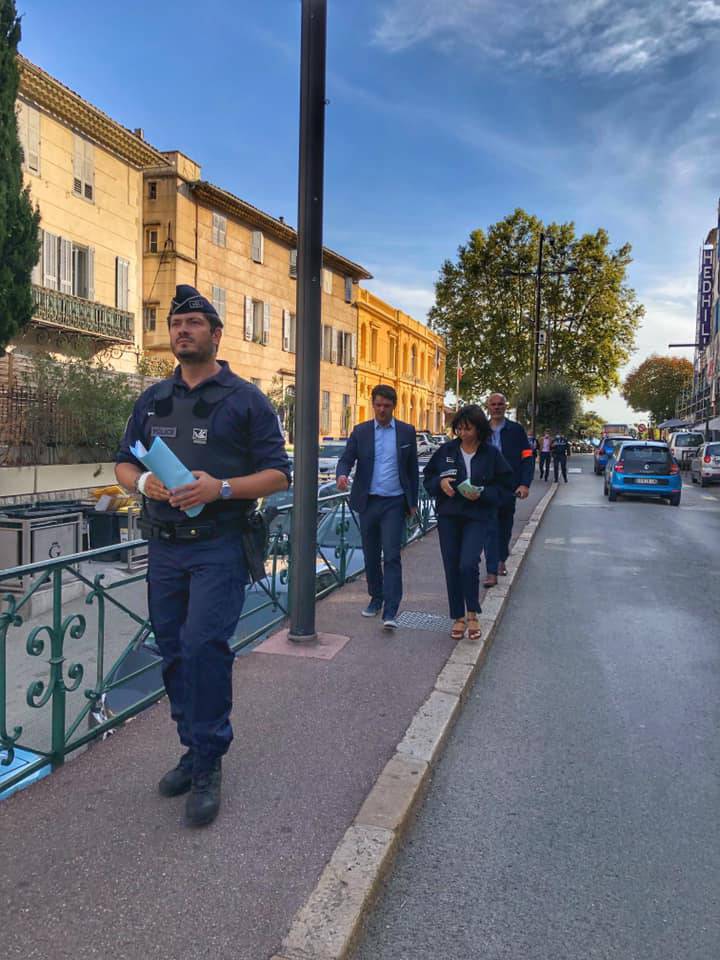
(191, 354)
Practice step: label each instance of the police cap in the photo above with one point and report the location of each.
(188, 300)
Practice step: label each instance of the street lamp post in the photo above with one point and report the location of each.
(303, 536)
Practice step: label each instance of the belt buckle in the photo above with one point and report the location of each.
(166, 534)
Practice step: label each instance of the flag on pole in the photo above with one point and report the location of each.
(458, 378)
(459, 370)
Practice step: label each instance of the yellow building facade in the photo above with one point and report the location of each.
(245, 261)
(394, 348)
(85, 172)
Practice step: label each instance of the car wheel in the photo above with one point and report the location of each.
(612, 495)
(675, 500)
(605, 488)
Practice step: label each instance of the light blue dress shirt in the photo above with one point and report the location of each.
(496, 441)
(386, 476)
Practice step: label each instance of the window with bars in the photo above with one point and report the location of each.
(83, 168)
(219, 229)
(325, 420)
(28, 120)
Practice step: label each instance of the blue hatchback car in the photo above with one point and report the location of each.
(643, 468)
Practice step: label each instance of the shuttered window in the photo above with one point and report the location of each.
(149, 319)
(122, 284)
(29, 134)
(327, 281)
(293, 263)
(219, 230)
(258, 246)
(66, 266)
(289, 339)
(325, 412)
(348, 289)
(218, 301)
(257, 321)
(36, 276)
(327, 343)
(50, 253)
(83, 168)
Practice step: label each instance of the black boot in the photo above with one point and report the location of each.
(178, 780)
(203, 803)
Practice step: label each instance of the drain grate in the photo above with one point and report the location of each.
(424, 621)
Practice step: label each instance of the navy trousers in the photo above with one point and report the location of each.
(545, 465)
(381, 527)
(498, 545)
(195, 597)
(561, 463)
(461, 545)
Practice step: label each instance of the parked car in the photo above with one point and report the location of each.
(603, 450)
(643, 468)
(329, 453)
(705, 465)
(424, 447)
(684, 445)
(440, 438)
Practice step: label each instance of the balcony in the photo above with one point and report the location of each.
(63, 311)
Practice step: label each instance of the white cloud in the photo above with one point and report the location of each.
(590, 36)
(413, 300)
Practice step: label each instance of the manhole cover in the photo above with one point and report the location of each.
(424, 621)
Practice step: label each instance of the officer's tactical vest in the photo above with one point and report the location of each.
(186, 425)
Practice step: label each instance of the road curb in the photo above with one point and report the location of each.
(328, 925)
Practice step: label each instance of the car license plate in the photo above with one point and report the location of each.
(716, 461)
(645, 480)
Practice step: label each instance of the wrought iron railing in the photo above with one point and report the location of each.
(69, 312)
(77, 713)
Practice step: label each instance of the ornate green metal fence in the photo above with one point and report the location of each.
(135, 670)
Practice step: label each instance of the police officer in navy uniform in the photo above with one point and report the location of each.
(560, 450)
(227, 434)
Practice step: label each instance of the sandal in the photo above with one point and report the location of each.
(474, 632)
(490, 580)
(458, 630)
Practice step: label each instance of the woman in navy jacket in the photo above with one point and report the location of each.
(466, 520)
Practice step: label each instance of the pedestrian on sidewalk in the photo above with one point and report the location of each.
(466, 515)
(560, 455)
(511, 440)
(384, 492)
(545, 455)
(227, 434)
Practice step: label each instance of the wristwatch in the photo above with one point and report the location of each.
(225, 490)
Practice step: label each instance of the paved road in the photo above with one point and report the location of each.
(575, 813)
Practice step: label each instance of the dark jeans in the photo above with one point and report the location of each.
(560, 462)
(381, 527)
(195, 597)
(544, 465)
(498, 545)
(461, 545)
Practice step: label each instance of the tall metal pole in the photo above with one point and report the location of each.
(303, 538)
(536, 345)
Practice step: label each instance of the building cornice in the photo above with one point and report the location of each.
(63, 103)
(222, 200)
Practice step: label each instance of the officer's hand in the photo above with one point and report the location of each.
(412, 511)
(155, 489)
(447, 488)
(342, 484)
(205, 489)
(472, 495)
(522, 492)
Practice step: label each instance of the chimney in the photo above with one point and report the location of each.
(139, 132)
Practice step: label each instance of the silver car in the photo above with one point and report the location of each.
(705, 465)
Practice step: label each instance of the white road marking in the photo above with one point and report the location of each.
(708, 496)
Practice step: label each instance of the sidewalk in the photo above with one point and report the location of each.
(97, 864)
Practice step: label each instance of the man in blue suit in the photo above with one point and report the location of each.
(384, 492)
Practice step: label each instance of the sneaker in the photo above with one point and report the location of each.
(372, 609)
(390, 623)
(203, 803)
(179, 779)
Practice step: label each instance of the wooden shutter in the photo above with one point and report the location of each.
(36, 276)
(257, 246)
(78, 165)
(348, 289)
(65, 265)
(50, 260)
(33, 140)
(353, 350)
(266, 324)
(248, 318)
(333, 347)
(327, 281)
(293, 263)
(89, 171)
(286, 330)
(122, 278)
(91, 273)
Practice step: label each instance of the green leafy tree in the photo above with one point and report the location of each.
(557, 401)
(19, 223)
(590, 316)
(656, 384)
(587, 424)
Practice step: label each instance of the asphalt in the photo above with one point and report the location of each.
(96, 864)
(574, 812)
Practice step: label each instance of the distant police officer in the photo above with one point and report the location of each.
(225, 431)
(560, 452)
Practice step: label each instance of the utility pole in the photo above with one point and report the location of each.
(303, 534)
(536, 340)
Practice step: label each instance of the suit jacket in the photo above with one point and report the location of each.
(489, 470)
(360, 449)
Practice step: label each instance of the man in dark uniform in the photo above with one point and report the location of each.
(560, 453)
(227, 434)
(511, 440)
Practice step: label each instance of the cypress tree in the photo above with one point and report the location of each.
(19, 222)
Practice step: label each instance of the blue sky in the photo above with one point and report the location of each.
(443, 117)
